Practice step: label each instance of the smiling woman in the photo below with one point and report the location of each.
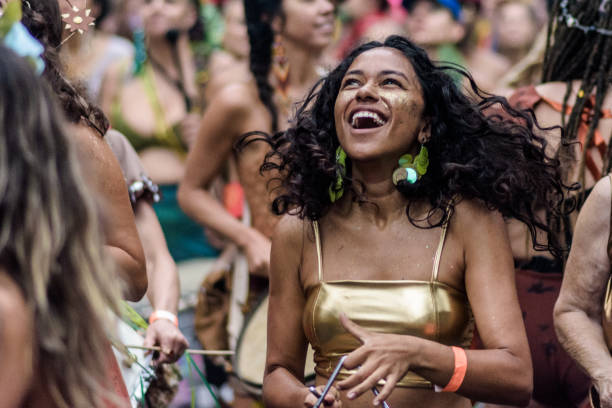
(394, 272)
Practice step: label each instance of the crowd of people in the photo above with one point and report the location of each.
(391, 202)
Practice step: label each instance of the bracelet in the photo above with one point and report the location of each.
(459, 373)
(163, 314)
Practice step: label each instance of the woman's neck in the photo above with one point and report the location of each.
(379, 190)
(161, 50)
(303, 65)
(514, 55)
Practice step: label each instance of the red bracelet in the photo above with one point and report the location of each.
(163, 314)
(460, 369)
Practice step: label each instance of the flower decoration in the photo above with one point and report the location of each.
(78, 19)
(17, 37)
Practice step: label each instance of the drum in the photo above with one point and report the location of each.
(135, 367)
(250, 358)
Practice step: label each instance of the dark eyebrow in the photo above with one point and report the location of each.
(386, 72)
(391, 72)
(355, 72)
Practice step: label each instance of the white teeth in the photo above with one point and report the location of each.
(367, 114)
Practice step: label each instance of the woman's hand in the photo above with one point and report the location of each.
(257, 250)
(381, 356)
(189, 128)
(168, 337)
(332, 398)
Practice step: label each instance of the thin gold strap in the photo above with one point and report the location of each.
(436, 265)
(315, 226)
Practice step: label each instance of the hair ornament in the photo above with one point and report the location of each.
(77, 20)
(17, 37)
(572, 21)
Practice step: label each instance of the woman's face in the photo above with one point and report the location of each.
(308, 22)
(235, 37)
(161, 16)
(379, 108)
(516, 26)
(430, 24)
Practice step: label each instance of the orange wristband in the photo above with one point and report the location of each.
(163, 314)
(460, 369)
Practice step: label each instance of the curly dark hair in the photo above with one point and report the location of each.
(42, 18)
(480, 148)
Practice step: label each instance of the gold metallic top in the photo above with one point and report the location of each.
(428, 309)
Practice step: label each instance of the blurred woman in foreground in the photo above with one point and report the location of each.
(54, 287)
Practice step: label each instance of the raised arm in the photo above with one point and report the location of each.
(578, 310)
(221, 126)
(122, 241)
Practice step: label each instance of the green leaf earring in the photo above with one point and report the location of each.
(411, 170)
(336, 189)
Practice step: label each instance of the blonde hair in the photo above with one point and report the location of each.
(51, 242)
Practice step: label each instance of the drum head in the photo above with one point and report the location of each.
(250, 357)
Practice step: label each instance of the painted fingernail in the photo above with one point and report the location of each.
(351, 395)
(376, 403)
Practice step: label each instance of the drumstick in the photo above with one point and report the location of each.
(384, 403)
(190, 351)
(330, 381)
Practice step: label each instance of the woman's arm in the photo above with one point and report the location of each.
(163, 291)
(122, 241)
(502, 372)
(16, 347)
(286, 350)
(164, 287)
(220, 127)
(578, 310)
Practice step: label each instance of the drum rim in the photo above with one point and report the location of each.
(236, 356)
(262, 297)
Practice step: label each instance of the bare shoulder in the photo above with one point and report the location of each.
(474, 213)
(552, 90)
(289, 231)
(15, 318)
(88, 141)
(225, 70)
(601, 190)
(16, 343)
(236, 97)
(598, 203)
(97, 160)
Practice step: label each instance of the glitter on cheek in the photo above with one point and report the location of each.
(403, 101)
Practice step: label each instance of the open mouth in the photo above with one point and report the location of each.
(365, 119)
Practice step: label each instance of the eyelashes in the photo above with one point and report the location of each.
(387, 82)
